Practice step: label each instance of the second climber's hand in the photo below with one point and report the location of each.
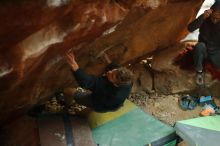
(70, 58)
(207, 13)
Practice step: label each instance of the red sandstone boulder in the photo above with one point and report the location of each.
(35, 34)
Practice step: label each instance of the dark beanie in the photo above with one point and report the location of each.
(216, 5)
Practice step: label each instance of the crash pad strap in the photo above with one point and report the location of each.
(165, 140)
(68, 130)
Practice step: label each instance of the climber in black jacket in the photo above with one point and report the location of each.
(108, 91)
(208, 46)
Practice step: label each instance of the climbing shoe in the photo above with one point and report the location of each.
(200, 78)
(188, 102)
(60, 97)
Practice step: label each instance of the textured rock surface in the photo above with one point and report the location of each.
(170, 78)
(143, 79)
(35, 34)
(31, 64)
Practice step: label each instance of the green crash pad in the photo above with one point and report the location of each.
(202, 131)
(131, 128)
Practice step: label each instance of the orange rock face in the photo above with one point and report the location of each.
(35, 34)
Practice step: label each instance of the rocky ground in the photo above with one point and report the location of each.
(165, 108)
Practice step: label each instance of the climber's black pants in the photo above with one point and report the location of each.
(84, 98)
(202, 52)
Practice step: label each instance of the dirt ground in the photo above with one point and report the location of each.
(165, 108)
